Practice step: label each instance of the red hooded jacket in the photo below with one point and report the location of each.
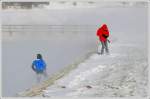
(102, 32)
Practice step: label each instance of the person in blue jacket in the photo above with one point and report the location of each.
(39, 66)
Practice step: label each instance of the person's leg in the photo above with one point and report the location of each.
(102, 49)
(106, 47)
(98, 48)
(45, 73)
(38, 77)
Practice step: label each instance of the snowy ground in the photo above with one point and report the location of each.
(122, 73)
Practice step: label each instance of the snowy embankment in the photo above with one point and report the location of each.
(122, 73)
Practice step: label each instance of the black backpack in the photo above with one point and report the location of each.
(105, 36)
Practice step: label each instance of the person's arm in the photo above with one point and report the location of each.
(33, 68)
(98, 32)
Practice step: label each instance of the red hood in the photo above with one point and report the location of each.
(104, 27)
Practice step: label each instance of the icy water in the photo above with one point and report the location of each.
(18, 57)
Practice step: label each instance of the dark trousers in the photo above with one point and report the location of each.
(39, 75)
(104, 47)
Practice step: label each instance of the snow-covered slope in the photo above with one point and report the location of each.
(122, 73)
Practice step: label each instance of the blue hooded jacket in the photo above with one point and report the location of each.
(39, 65)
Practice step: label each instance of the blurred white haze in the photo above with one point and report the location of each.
(63, 34)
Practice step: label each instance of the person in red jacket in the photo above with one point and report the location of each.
(103, 34)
